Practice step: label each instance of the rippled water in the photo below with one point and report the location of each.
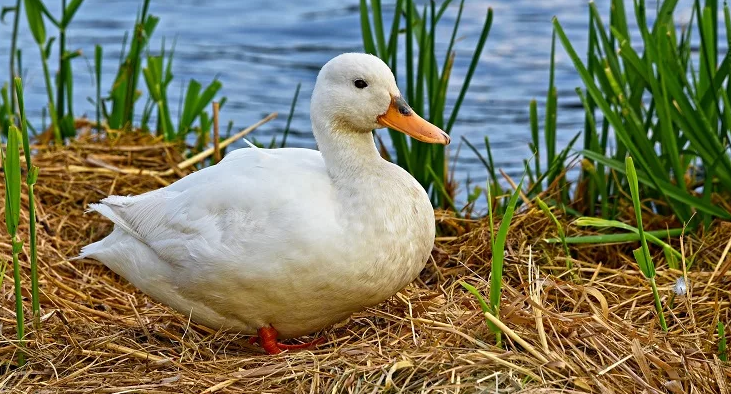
(260, 50)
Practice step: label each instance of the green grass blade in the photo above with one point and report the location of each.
(392, 52)
(291, 114)
(378, 27)
(658, 304)
(19, 317)
(551, 106)
(11, 169)
(454, 30)
(670, 190)
(98, 55)
(534, 136)
(607, 45)
(206, 98)
(442, 9)
(188, 113)
(478, 296)
(471, 69)
(490, 216)
(409, 40)
(616, 238)
(498, 257)
(559, 228)
(722, 352)
(23, 122)
(642, 255)
(618, 17)
(727, 23)
(70, 11)
(365, 25)
(649, 269)
(35, 298)
(483, 305)
(650, 236)
(3, 268)
(442, 190)
(32, 175)
(34, 14)
(638, 145)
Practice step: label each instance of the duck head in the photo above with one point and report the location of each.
(356, 93)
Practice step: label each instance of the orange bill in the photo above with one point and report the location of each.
(402, 118)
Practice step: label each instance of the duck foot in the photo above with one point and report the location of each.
(267, 339)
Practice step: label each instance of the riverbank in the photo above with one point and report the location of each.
(595, 332)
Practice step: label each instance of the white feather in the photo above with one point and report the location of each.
(251, 145)
(291, 238)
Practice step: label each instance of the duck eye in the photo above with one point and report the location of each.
(360, 84)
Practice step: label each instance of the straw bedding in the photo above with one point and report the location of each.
(594, 333)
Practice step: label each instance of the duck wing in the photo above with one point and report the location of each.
(257, 214)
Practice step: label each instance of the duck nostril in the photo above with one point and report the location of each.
(403, 107)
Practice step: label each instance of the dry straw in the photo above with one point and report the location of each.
(600, 334)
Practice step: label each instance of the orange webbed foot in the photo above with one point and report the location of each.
(267, 339)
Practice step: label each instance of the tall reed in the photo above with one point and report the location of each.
(722, 351)
(6, 108)
(497, 243)
(642, 255)
(30, 181)
(11, 167)
(34, 13)
(11, 58)
(158, 76)
(64, 77)
(118, 108)
(123, 93)
(98, 54)
(656, 106)
(559, 228)
(426, 82)
(290, 116)
(18, 139)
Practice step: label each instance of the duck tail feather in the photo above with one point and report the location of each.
(105, 208)
(251, 145)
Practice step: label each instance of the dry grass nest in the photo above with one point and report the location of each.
(597, 332)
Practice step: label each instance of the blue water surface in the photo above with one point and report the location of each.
(261, 50)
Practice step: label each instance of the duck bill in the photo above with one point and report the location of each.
(401, 117)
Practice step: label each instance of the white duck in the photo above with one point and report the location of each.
(282, 243)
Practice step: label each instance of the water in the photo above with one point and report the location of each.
(261, 50)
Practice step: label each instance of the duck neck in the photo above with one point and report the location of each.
(349, 154)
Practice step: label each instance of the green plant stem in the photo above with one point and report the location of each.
(559, 229)
(658, 305)
(98, 71)
(13, 45)
(35, 299)
(30, 180)
(498, 336)
(498, 258)
(615, 238)
(485, 309)
(722, 351)
(425, 85)
(138, 43)
(18, 299)
(49, 91)
(61, 63)
(291, 114)
(3, 268)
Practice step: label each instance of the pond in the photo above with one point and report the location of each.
(261, 50)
